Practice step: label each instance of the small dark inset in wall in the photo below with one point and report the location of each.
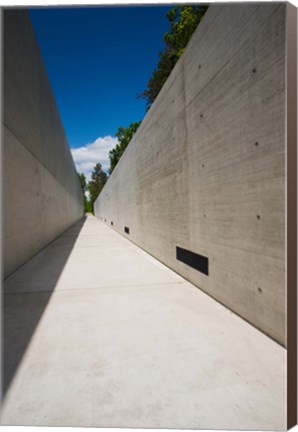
(196, 261)
(126, 229)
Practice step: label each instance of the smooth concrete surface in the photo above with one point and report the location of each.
(99, 333)
(206, 169)
(41, 192)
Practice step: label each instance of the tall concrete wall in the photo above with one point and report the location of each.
(41, 191)
(206, 169)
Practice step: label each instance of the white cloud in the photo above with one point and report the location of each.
(89, 155)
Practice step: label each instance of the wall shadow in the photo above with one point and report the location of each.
(25, 296)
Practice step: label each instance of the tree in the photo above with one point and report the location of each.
(97, 182)
(183, 22)
(83, 182)
(124, 136)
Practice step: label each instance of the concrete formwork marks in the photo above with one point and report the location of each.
(41, 191)
(206, 169)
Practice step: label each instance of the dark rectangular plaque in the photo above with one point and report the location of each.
(126, 229)
(196, 261)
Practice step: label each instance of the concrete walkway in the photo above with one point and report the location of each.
(99, 333)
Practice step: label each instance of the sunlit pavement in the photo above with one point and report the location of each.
(99, 333)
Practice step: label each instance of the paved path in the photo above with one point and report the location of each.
(99, 333)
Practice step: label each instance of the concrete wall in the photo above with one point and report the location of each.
(41, 191)
(206, 169)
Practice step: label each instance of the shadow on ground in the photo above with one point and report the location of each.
(26, 294)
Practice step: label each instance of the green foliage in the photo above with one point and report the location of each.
(83, 183)
(183, 22)
(88, 206)
(124, 136)
(97, 182)
(94, 187)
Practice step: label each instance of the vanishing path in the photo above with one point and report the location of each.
(99, 333)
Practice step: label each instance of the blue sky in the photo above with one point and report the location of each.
(98, 59)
